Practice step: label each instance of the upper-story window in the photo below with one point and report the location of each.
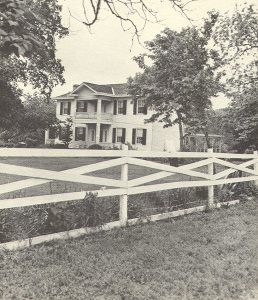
(120, 107)
(139, 107)
(65, 108)
(81, 106)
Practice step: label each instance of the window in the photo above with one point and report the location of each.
(141, 108)
(120, 107)
(139, 136)
(65, 108)
(79, 133)
(81, 106)
(119, 135)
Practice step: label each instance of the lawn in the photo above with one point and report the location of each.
(202, 256)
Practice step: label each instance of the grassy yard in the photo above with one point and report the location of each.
(203, 256)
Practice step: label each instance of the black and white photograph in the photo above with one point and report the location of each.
(129, 149)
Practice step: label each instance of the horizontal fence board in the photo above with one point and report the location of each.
(56, 198)
(54, 175)
(32, 152)
(186, 184)
(162, 167)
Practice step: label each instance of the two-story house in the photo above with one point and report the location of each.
(108, 116)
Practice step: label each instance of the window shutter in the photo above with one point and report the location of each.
(76, 134)
(69, 108)
(124, 107)
(135, 107)
(134, 136)
(115, 107)
(145, 110)
(61, 108)
(84, 133)
(101, 136)
(95, 108)
(77, 106)
(144, 136)
(123, 135)
(114, 135)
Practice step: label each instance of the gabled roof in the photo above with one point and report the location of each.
(111, 89)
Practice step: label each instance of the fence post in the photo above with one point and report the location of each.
(123, 198)
(256, 169)
(210, 188)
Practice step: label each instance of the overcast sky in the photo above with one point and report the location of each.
(105, 54)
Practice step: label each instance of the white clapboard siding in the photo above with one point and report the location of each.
(22, 184)
(54, 175)
(158, 166)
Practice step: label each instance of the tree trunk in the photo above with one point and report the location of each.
(181, 134)
(209, 146)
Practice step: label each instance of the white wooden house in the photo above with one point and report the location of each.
(108, 116)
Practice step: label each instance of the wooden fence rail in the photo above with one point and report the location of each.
(123, 187)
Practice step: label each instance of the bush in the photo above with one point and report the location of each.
(95, 146)
(26, 222)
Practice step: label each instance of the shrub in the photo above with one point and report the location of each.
(95, 146)
(25, 222)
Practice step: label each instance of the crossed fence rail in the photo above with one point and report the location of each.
(123, 187)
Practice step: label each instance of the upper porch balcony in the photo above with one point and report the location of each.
(94, 116)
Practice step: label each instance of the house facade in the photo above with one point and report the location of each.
(108, 116)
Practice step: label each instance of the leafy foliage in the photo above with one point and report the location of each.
(34, 117)
(179, 83)
(28, 30)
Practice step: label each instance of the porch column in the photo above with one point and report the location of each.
(99, 108)
(97, 132)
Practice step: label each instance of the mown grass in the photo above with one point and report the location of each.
(203, 256)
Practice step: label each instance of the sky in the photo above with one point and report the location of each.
(105, 53)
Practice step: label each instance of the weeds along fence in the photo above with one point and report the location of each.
(201, 172)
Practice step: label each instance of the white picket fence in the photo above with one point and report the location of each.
(123, 187)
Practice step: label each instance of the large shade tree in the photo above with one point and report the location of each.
(236, 36)
(180, 81)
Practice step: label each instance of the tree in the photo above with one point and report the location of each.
(236, 36)
(35, 116)
(66, 131)
(28, 30)
(179, 83)
(132, 14)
